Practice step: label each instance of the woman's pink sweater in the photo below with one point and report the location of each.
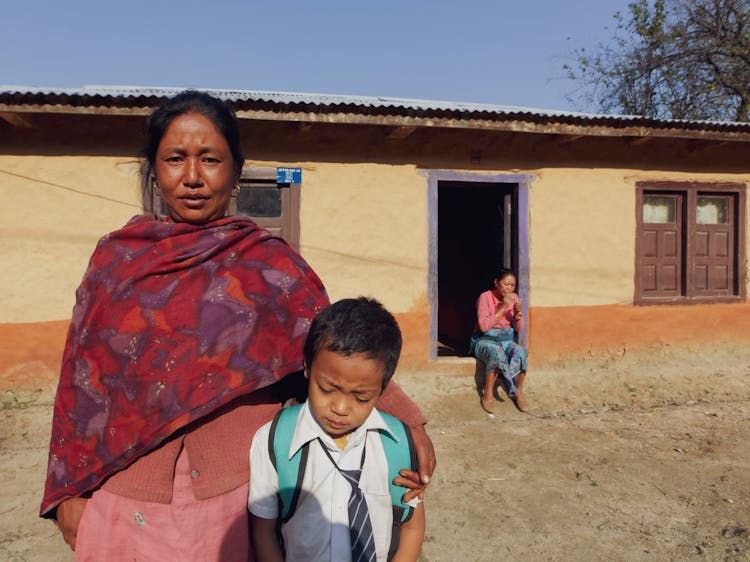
(487, 308)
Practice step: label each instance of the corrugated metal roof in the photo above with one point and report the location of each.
(144, 96)
(283, 98)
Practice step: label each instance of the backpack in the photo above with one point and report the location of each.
(399, 454)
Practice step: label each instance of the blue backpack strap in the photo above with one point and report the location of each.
(399, 454)
(290, 471)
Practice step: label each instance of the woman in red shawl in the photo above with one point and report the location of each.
(186, 337)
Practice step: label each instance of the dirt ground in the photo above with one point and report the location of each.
(621, 458)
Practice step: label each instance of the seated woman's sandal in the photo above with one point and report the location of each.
(521, 402)
(488, 405)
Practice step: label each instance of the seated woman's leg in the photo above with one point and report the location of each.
(488, 352)
(520, 400)
(514, 372)
(488, 399)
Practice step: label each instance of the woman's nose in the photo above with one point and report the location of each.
(192, 175)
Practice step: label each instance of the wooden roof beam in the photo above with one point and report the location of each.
(638, 141)
(564, 140)
(400, 133)
(23, 122)
(701, 145)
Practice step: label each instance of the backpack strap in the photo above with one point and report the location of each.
(399, 454)
(290, 471)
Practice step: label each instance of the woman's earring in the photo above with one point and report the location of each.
(236, 191)
(157, 187)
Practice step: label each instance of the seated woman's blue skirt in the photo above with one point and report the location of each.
(497, 350)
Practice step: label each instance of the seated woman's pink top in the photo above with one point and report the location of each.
(487, 308)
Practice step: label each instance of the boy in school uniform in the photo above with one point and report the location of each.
(321, 485)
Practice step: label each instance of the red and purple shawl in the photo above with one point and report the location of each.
(171, 321)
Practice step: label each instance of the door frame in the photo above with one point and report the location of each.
(523, 181)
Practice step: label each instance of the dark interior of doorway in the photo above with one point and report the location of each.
(476, 234)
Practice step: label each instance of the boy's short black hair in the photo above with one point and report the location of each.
(360, 325)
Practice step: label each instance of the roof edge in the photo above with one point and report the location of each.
(325, 108)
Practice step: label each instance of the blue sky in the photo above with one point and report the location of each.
(499, 52)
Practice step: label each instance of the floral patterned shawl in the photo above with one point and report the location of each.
(171, 321)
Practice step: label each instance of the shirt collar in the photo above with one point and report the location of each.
(308, 429)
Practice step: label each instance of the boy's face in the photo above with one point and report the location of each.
(343, 390)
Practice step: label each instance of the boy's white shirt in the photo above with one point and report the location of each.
(319, 529)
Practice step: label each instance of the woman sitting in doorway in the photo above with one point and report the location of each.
(499, 316)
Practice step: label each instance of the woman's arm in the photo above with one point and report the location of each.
(486, 310)
(417, 482)
(68, 517)
(263, 534)
(412, 535)
(517, 314)
(395, 402)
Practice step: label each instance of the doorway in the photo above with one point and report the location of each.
(477, 232)
(477, 222)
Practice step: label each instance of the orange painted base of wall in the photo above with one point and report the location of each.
(30, 353)
(415, 334)
(560, 333)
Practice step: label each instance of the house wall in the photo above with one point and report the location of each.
(364, 218)
(583, 225)
(54, 210)
(364, 229)
(582, 272)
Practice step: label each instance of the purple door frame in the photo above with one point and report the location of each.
(524, 183)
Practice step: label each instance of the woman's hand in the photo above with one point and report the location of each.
(417, 482)
(69, 515)
(504, 305)
(518, 306)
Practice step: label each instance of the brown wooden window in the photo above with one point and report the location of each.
(272, 205)
(690, 243)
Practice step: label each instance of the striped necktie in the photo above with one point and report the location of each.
(360, 527)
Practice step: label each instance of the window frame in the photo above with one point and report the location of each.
(690, 192)
(289, 221)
